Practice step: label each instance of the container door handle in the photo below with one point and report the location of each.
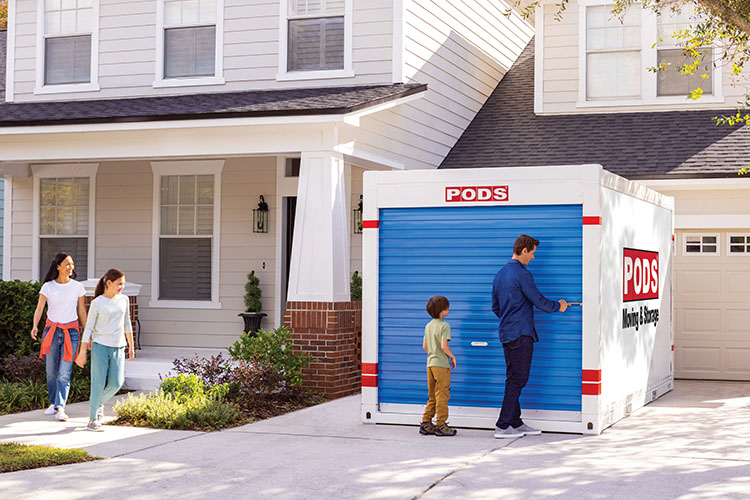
(479, 344)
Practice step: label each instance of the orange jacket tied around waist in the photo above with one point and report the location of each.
(47, 342)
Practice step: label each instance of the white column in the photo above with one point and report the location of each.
(320, 251)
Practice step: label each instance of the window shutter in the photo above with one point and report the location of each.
(67, 60)
(185, 269)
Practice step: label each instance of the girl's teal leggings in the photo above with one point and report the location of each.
(107, 374)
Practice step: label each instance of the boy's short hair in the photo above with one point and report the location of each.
(524, 241)
(436, 305)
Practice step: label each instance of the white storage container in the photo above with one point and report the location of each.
(604, 241)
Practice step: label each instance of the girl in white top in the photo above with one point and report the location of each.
(108, 330)
(66, 314)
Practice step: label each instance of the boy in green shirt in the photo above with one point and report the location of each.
(440, 360)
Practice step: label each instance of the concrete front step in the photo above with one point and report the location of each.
(150, 363)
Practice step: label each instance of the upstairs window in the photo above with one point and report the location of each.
(316, 34)
(67, 41)
(670, 81)
(189, 38)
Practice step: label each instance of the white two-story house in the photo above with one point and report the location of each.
(582, 92)
(142, 134)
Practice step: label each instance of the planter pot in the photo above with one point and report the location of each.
(252, 321)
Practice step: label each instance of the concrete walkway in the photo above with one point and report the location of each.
(690, 444)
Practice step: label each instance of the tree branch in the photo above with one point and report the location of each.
(727, 14)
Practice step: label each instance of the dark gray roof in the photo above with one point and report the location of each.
(3, 38)
(287, 102)
(674, 144)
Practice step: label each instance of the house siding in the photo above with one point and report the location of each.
(127, 49)
(21, 227)
(461, 50)
(561, 69)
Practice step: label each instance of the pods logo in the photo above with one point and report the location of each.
(640, 275)
(476, 193)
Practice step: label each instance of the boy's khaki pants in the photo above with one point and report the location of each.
(439, 392)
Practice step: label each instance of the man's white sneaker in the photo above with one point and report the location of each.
(61, 415)
(509, 433)
(50, 410)
(528, 431)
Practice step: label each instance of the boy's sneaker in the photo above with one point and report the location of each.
(509, 433)
(444, 430)
(100, 413)
(427, 428)
(528, 431)
(61, 415)
(95, 426)
(50, 410)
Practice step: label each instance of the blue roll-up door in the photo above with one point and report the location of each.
(456, 252)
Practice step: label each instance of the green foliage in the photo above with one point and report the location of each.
(16, 456)
(162, 410)
(275, 348)
(187, 386)
(30, 395)
(355, 286)
(18, 301)
(252, 293)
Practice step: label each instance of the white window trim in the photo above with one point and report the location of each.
(63, 170)
(742, 254)
(289, 76)
(188, 167)
(93, 85)
(648, 78)
(685, 253)
(217, 79)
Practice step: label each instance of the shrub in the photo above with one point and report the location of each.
(257, 381)
(22, 396)
(252, 293)
(212, 371)
(16, 456)
(164, 411)
(17, 368)
(18, 301)
(274, 348)
(355, 287)
(183, 386)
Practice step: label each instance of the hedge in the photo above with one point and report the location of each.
(18, 301)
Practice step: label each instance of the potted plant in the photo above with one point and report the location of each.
(252, 314)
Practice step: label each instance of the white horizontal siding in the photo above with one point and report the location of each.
(127, 49)
(561, 72)
(21, 228)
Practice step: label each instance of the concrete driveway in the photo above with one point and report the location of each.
(690, 444)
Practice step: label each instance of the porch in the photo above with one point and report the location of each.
(151, 363)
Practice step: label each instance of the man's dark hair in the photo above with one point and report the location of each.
(524, 241)
(436, 305)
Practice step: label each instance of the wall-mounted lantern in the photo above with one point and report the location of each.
(260, 217)
(357, 218)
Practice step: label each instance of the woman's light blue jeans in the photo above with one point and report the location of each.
(58, 370)
(107, 374)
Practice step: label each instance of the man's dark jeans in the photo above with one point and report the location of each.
(518, 355)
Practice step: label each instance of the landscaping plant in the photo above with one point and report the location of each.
(274, 348)
(252, 293)
(16, 456)
(212, 371)
(18, 301)
(355, 287)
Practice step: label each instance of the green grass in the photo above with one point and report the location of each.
(15, 456)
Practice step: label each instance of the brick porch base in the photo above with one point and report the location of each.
(331, 332)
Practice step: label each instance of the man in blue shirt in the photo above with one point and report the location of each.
(513, 296)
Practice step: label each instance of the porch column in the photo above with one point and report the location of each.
(323, 320)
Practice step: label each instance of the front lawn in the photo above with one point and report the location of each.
(15, 456)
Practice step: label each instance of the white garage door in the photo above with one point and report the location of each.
(712, 305)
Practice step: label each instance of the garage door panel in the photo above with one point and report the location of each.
(699, 359)
(699, 282)
(700, 321)
(738, 322)
(738, 282)
(738, 361)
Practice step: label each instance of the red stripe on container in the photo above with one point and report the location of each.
(592, 221)
(369, 368)
(673, 347)
(592, 376)
(591, 389)
(370, 224)
(370, 381)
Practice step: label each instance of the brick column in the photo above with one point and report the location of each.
(331, 332)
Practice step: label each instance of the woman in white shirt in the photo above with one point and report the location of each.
(109, 330)
(66, 310)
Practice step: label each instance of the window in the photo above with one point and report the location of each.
(186, 224)
(190, 38)
(613, 54)
(738, 244)
(67, 30)
(316, 35)
(700, 244)
(671, 82)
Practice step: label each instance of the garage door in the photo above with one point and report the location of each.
(712, 305)
(456, 251)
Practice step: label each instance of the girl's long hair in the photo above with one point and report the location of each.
(110, 275)
(53, 272)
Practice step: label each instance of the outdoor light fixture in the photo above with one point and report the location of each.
(260, 217)
(357, 218)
